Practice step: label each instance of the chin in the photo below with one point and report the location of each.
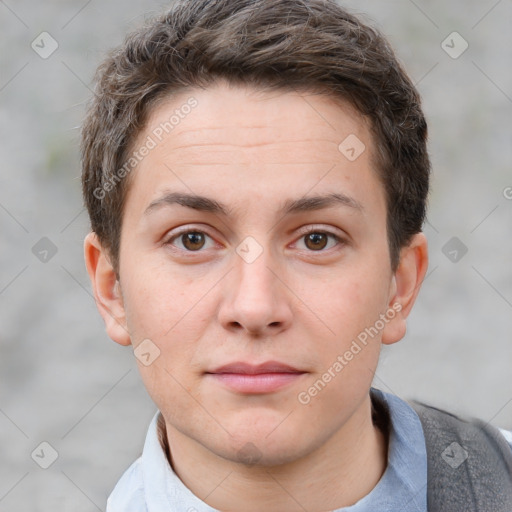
(264, 444)
(258, 453)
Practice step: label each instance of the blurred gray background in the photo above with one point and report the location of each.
(63, 382)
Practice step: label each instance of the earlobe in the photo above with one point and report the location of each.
(406, 286)
(106, 289)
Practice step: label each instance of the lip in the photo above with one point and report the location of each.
(241, 367)
(262, 378)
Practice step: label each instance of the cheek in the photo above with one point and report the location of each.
(348, 358)
(349, 302)
(163, 309)
(173, 311)
(348, 352)
(157, 301)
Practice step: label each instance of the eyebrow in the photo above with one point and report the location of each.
(206, 204)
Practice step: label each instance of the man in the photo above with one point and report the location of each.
(256, 175)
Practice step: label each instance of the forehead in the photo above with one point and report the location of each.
(229, 138)
(252, 116)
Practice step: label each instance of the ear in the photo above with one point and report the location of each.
(106, 288)
(405, 286)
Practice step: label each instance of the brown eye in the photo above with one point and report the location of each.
(319, 241)
(193, 240)
(316, 241)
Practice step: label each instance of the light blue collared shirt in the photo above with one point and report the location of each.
(150, 484)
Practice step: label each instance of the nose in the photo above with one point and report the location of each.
(255, 300)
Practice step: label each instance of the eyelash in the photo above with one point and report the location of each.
(339, 241)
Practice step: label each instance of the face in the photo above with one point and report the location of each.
(253, 260)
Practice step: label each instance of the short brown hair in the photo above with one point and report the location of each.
(288, 45)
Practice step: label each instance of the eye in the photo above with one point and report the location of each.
(191, 241)
(320, 240)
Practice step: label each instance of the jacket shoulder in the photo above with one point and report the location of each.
(469, 462)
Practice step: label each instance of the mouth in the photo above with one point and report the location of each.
(263, 378)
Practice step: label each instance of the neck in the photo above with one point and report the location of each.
(335, 475)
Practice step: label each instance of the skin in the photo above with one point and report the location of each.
(298, 303)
